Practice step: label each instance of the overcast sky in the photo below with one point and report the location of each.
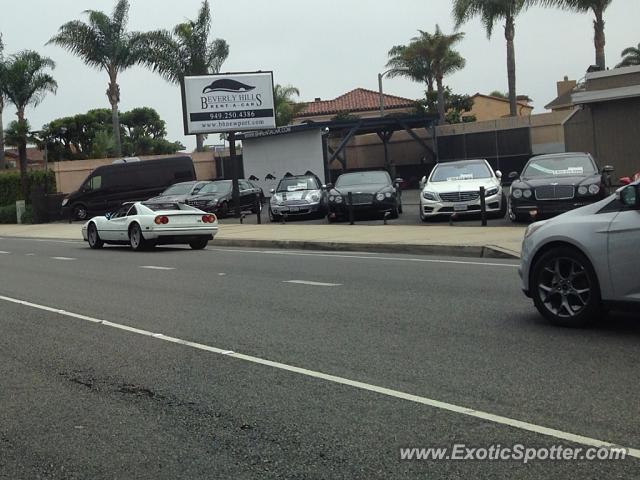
(324, 48)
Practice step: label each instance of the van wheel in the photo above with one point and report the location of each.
(80, 212)
(136, 240)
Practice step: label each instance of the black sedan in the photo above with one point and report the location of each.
(371, 192)
(556, 183)
(217, 197)
(179, 192)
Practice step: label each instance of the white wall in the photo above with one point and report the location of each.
(276, 155)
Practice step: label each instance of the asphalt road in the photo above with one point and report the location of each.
(231, 363)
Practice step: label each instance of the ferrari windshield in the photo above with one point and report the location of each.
(293, 184)
(559, 167)
(216, 187)
(460, 171)
(363, 178)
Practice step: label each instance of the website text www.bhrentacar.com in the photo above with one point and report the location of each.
(517, 453)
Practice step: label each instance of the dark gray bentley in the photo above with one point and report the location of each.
(556, 183)
(370, 192)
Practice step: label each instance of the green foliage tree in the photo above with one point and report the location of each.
(429, 57)
(490, 13)
(104, 43)
(499, 94)
(598, 7)
(185, 51)
(25, 83)
(455, 106)
(286, 108)
(630, 57)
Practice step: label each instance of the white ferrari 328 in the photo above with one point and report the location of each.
(145, 225)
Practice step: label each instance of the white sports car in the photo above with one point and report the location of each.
(145, 225)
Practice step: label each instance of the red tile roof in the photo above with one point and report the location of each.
(358, 100)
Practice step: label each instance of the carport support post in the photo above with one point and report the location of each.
(235, 196)
(350, 207)
(483, 207)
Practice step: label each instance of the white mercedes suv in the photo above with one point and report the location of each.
(454, 187)
(580, 263)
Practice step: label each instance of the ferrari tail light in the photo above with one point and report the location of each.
(161, 220)
(209, 218)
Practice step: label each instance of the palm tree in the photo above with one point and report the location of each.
(445, 60)
(286, 108)
(630, 57)
(25, 84)
(490, 12)
(3, 163)
(185, 51)
(105, 44)
(428, 58)
(407, 61)
(598, 7)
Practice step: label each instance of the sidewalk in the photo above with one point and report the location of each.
(496, 242)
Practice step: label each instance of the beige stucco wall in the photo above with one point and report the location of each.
(491, 109)
(70, 174)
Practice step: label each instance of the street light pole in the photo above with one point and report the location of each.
(380, 77)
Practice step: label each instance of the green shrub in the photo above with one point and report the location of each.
(8, 214)
(10, 190)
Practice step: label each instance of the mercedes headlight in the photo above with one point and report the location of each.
(430, 196)
(491, 192)
(516, 193)
(526, 193)
(380, 196)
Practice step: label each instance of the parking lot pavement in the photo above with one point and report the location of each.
(236, 363)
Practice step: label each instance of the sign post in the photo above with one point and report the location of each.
(228, 103)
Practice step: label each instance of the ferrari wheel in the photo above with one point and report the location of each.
(199, 244)
(136, 240)
(93, 237)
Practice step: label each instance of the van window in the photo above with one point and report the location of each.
(93, 183)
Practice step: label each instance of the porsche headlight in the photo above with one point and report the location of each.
(526, 193)
(516, 193)
(380, 196)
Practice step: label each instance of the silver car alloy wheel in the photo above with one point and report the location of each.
(93, 234)
(134, 237)
(564, 287)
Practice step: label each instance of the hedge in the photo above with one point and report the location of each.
(10, 189)
(8, 215)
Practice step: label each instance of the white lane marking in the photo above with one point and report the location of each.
(29, 254)
(398, 259)
(470, 412)
(221, 274)
(64, 259)
(315, 284)
(2, 252)
(152, 267)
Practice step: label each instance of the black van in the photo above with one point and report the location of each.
(107, 187)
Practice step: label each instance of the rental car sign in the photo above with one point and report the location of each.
(229, 102)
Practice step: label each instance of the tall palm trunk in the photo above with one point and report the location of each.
(510, 33)
(113, 93)
(22, 157)
(3, 161)
(199, 143)
(599, 39)
(441, 108)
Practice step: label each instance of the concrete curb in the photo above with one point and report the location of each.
(488, 251)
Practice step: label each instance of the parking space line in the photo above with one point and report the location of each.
(449, 407)
(153, 267)
(315, 284)
(4, 253)
(64, 259)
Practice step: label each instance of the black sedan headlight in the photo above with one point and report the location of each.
(335, 198)
(592, 189)
(382, 196)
